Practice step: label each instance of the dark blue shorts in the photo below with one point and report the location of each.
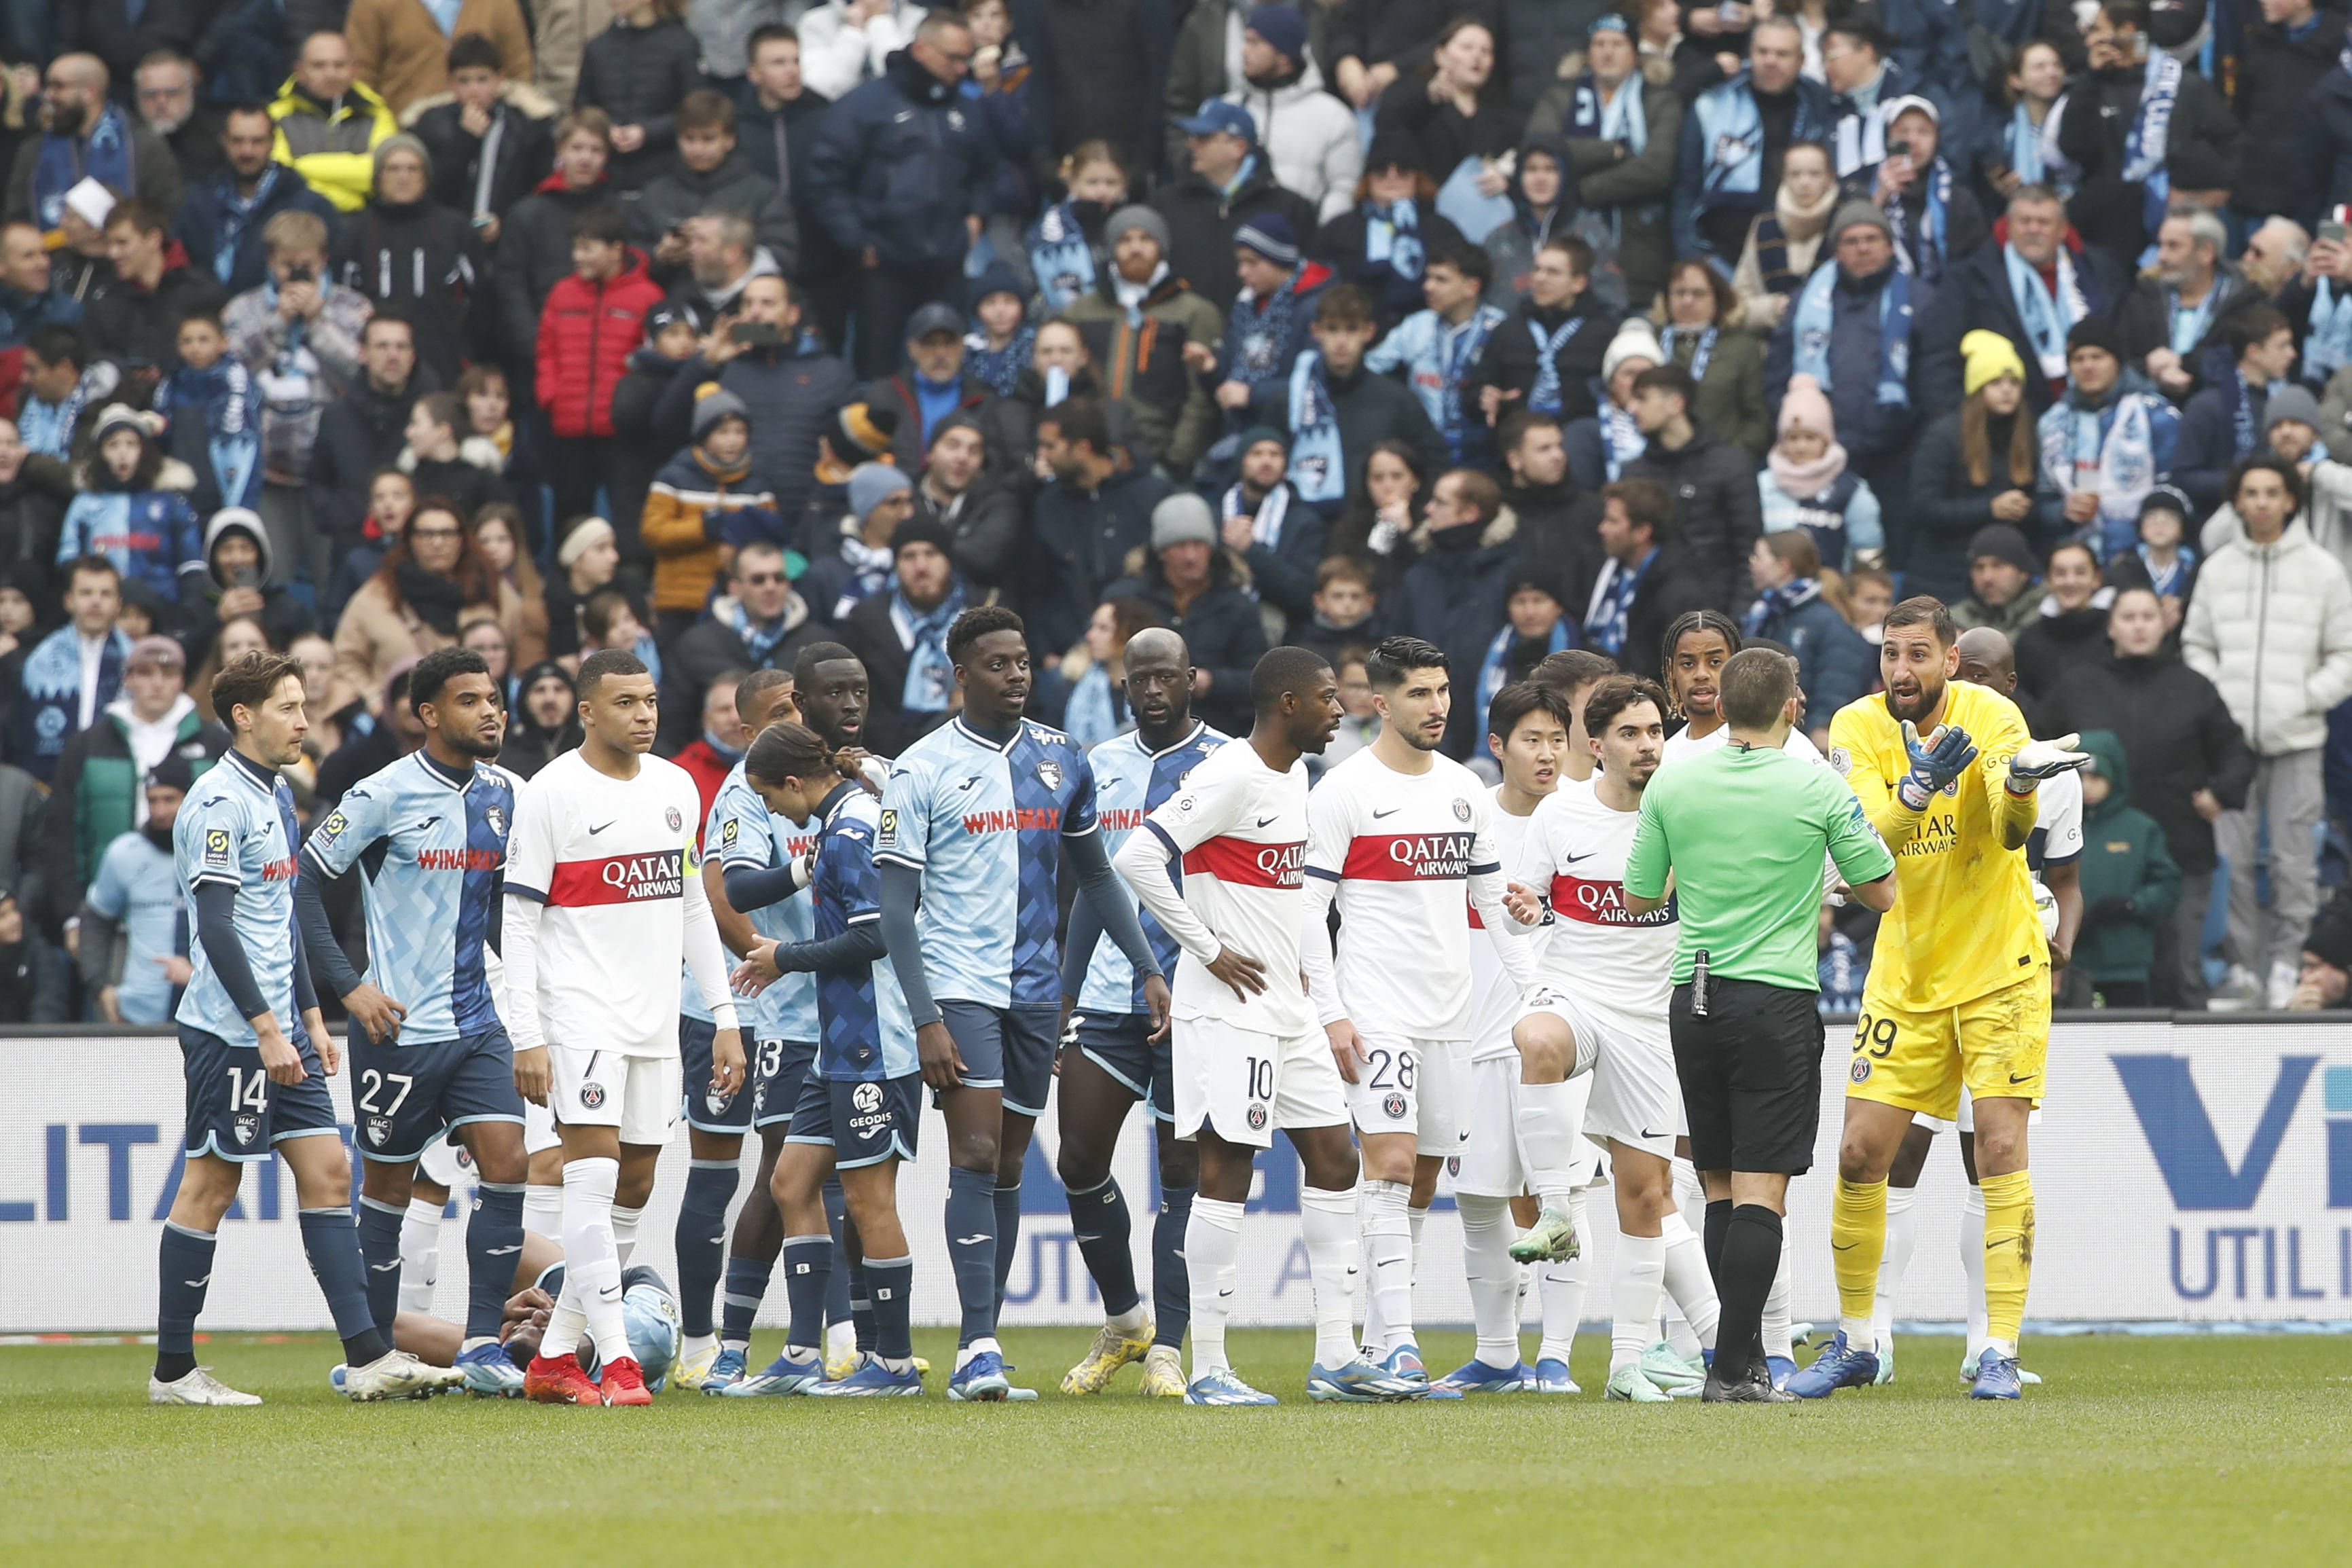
(706, 1111)
(869, 1120)
(1010, 1049)
(1121, 1045)
(235, 1112)
(405, 1096)
(778, 1069)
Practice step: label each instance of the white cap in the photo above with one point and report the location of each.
(91, 202)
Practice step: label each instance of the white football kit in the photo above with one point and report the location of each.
(1244, 1065)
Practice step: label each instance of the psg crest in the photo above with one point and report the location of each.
(1257, 1116)
(1393, 1106)
(592, 1096)
(1461, 811)
(1049, 774)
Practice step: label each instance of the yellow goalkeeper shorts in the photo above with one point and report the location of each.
(1997, 1044)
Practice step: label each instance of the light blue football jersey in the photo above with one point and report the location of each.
(236, 827)
(868, 1032)
(983, 821)
(742, 832)
(1130, 782)
(138, 884)
(430, 844)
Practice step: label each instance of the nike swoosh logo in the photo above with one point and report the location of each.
(969, 1241)
(1846, 1248)
(1392, 812)
(601, 827)
(1262, 822)
(1572, 859)
(1647, 1133)
(2021, 1078)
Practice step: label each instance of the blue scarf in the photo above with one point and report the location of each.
(2047, 319)
(1458, 348)
(1319, 469)
(1546, 396)
(2024, 146)
(1612, 604)
(2173, 580)
(47, 428)
(1731, 137)
(1700, 355)
(2187, 331)
(1256, 332)
(105, 155)
(2244, 423)
(930, 673)
(758, 641)
(2329, 348)
(2148, 141)
(2110, 450)
(236, 214)
(221, 397)
(998, 368)
(1495, 670)
(1930, 247)
(1812, 333)
(1620, 120)
(1059, 256)
(1775, 603)
(1393, 236)
(1621, 440)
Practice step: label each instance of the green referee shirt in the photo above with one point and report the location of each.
(1743, 830)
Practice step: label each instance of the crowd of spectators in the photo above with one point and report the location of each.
(359, 328)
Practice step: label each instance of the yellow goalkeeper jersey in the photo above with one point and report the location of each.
(1964, 924)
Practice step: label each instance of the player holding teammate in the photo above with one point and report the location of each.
(1244, 1050)
(252, 1090)
(428, 836)
(1396, 834)
(740, 835)
(1960, 989)
(605, 904)
(1119, 1058)
(975, 819)
(1605, 1000)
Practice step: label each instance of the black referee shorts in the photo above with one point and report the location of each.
(1751, 1075)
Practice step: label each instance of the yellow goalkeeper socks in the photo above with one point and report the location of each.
(1857, 1242)
(2008, 1252)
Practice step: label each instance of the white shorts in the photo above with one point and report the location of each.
(1637, 1099)
(540, 1132)
(638, 1095)
(443, 1163)
(1489, 1163)
(1411, 1086)
(1241, 1085)
(1967, 1120)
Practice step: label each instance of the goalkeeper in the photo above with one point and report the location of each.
(1960, 983)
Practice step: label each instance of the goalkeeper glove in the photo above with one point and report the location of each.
(2040, 760)
(1935, 761)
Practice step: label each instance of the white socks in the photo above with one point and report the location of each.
(1639, 1276)
(592, 1273)
(1776, 1306)
(420, 1254)
(1327, 1224)
(1547, 1128)
(625, 1231)
(1560, 1289)
(1902, 1236)
(1688, 1281)
(1972, 1229)
(1487, 1234)
(1212, 1241)
(1387, 1251)
(542, 1211)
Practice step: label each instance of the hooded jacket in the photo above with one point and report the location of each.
(586, 333)
(1634, 189)
(2270, 625)
(896, 167)
(1203, 219)
(420, 259)
(283, 617)
(1310, 136)
(95, 794)
(528, 747)
(534, 256)
(2130, 884)
(151, 536)
(2177, 733)
(1512, 246)
(680, 193)
(332, 145)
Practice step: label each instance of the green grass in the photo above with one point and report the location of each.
(2205, 1451)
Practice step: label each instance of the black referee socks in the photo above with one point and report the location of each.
(1750, 1256)
(1714, 1225)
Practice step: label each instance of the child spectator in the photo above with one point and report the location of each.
(1344, 607)
(1260, 518)
(609, 620)
(1068, 249)
(444, 461)
(133, 508)
(2130, 885)
(999, 351)
(594, 320)
(2162, 562)
(673, 333)
(215, 415)
(638, 71)
(689, 506)
(1806, 484)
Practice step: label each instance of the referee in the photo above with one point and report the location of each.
(1741, 830)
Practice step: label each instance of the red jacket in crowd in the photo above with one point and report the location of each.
(586, 333)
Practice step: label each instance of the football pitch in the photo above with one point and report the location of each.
(2192, 1450)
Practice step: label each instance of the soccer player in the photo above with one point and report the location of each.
(1527, 733)
(1244, 1050)
(1959, 992)
(975, 819)
(604, 902)
(1605, 1003)
(428, 836)
(1119, 1059)
(1396, 836)
(861, 1104)
(741, 833)
(252, 1089)
(2053, 853)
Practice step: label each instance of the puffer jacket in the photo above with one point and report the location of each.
(898, 166)
(586, 333)
(2270, 625)
(1311, 138)
(421, 260)
(534, 256)
(637, 75)
(670, 199)
(690, 502)
(1145, 364)
(332, 144)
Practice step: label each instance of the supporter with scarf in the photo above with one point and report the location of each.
(1700, 331)
(1068, 249)
(1734, 138)
(1335, 407)
(1436, 347)
(1785, 244)
(1383, 244)
(1599, 446)
(2032, 284)
(1622, 123)
(1261, 519)
(85, 137)
(2105, 445)
(1541, 201)
(2224, 423)
(901, 636)
(2140, 126)
(1544, 357)
(1807, 483)
(1936, 220)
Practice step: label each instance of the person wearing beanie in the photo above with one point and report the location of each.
(2104, 446)
(1857, 327)
(900, 636)
(2122, 186)
(1150, 333)
(2037, 290)
(594, 320)
(690, 521)
(1974, 468)
(1546, 356)
(1200, 592)
(1536, 626)
(2223, 422)
(879, 499)
(134, 510)
(1261, 518)
(1436, 347)
(2291, 432)
(997, 351)
(1222, 183)
(1807, 483)
(1728, 155)
(1268, 327)
(2001, 575)
(409, 255)
(1385, 242)
(1601, 446)
(935, 384)
(1307, 135)
(1618, 117)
